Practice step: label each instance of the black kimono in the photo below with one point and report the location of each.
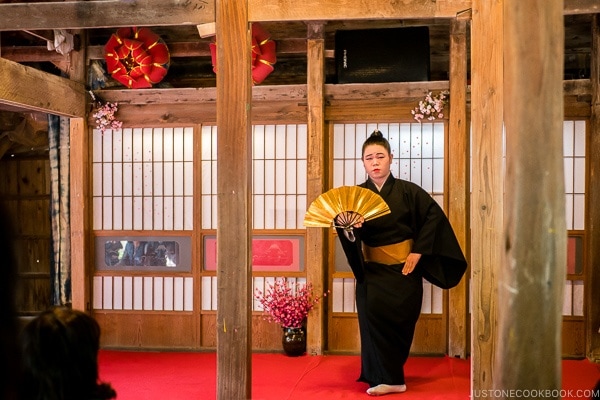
(389, 303)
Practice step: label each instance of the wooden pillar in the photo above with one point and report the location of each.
(80, 199)
(458, 182)
(592, 287)
(487, 187)
(532, 274)
(234, 191)
(316, 243)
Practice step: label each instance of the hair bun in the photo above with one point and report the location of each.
(376, 133)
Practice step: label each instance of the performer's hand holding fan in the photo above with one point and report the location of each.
(344, 207)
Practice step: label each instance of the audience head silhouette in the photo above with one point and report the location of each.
(60, 357)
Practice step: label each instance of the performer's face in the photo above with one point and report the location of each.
(377, 161)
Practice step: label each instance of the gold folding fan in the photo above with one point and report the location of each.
(356, 201)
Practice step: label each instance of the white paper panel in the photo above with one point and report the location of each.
(427, 175)
(168, 150)
(579, 212)
(214, 293)
(117, 293)
(437, 300)
(188, 217)
(117, 146)
(206, 138)
(280, 140)
(337, 295)
(178, 179)
(127, 145)
(568, 299)
(206, 293)
(107, 147)
(349, 293)
(168, 293)
(258, 181)
(107, 293)
(301, 171)
(137, 142)
(178, 213)
(438, 140)
(178, 294)
(258, 142)
(117, 179)
(207, 212)
(280, 176)
(168, 179)
(291, 213)
(426, 307)
(168, 213)
(280, 212)
(138, 293)
(269, 174)
(568, 135)
(188, 144)
(148, 293)
(569, 210)
(302, 207)
(97, 179)
(178, 142)
(578, 299)
(579, 175)
(569, 178)
(258, 283)
(188, 301)
(118, 213)
(269, 212)
(128, 293)
(269, 145)
(97, 146)
(97, 219)
(291, 142)
(157, 145)
(107, 211)
(188, 174)
(97, 292)
(579, 147)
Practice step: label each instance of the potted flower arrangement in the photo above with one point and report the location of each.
(289, 305)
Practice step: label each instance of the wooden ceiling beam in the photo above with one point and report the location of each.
(31, 89)
(116, 13)
(104, 14)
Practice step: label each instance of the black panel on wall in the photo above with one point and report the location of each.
(382, 55)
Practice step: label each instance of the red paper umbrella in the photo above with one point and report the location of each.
(263, 54)
(138, 58)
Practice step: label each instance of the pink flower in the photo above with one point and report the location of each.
(431, 106)
(287, 304)
(105, 116)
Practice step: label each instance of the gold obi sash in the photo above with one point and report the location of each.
(395, 253)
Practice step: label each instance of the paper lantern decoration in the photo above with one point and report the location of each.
(263, 54)
(137, 58)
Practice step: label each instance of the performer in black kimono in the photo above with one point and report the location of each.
(390, 255)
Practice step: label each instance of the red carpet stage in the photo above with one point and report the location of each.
(183, 376)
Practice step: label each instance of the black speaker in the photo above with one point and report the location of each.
(382, 55)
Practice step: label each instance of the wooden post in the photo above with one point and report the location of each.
(487, 192)
(234, 191)
(79, 191)
(532, 274)
(458, 182)
(316, 243)
(592, 282)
